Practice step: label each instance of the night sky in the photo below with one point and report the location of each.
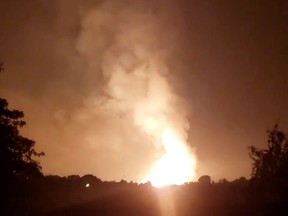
(219, 67)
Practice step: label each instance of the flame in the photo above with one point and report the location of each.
(176, 166)
(159, 117)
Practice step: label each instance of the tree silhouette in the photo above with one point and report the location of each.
(271, 163)
(16, 151)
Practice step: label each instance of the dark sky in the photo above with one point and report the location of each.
(224, 61)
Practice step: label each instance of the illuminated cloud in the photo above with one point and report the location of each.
(134, 70)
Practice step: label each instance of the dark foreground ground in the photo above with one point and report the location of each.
(70, 197)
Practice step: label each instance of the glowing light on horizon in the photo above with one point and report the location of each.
(176, 166)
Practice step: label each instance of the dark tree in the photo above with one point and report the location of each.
(205, 180)
(271, 163)
(16, 152)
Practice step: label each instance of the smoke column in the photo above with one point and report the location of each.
(124, 47)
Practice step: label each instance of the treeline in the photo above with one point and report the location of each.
(88, 195)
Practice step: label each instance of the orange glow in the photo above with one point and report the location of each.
(176, 166)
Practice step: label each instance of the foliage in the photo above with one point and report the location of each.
(271, 163)
(16, 151)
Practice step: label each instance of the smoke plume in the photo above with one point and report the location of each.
(125, 48)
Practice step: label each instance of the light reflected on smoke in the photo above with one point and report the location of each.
(133, 65)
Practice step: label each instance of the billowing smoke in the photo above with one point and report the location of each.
(105, 83)
(125, 48)
(96, 84)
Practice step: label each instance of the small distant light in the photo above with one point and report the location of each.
(87, 185)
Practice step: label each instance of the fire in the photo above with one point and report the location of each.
(176, 166)
(165, 124)
(138, 87)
